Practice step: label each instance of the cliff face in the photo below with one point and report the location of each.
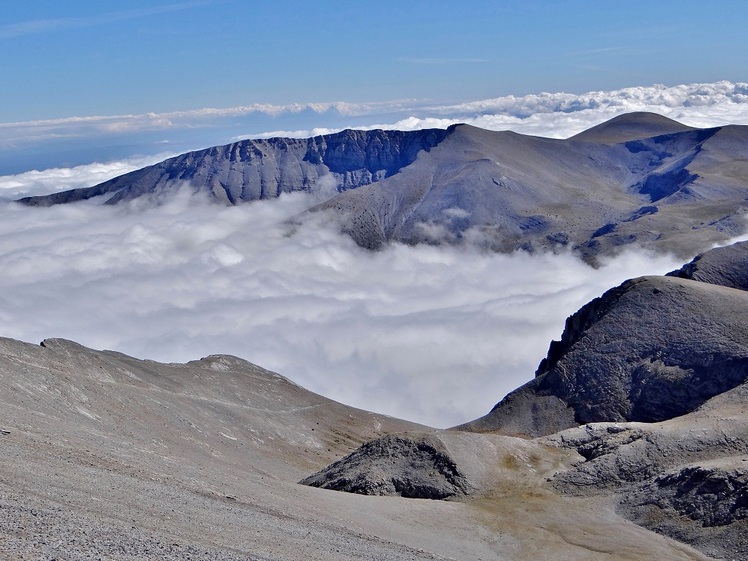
(649, 350)
(261, 169)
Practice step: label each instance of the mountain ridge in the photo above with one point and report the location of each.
(258, 169)
(659, 185)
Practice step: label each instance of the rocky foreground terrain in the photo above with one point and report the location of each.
(648, 386)
(630, 443)
(638, 179)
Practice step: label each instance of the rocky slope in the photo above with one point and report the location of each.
(643, 401)
(639, 178)
(262, 169)
(109, 457)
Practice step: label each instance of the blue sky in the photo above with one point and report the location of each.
(84, 58)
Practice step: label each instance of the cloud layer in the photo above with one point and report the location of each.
(431, 334)
(699, 104)
(75, 140)
(52, 180)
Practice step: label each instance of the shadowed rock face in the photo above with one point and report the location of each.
(418, 468)
(649, 350)
(703, 505)
(262, 169)
(711, 496)
(640, 178)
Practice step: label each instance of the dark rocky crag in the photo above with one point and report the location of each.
(648, 350)
(651, 349)
(725, 266)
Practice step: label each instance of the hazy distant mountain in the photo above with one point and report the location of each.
(251, 170)
(678, 191)
(631, 126)
(639, 178)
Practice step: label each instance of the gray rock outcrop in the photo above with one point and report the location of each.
(395, 465)
(649, 350)
(251, 170)
(685, 478)
(725, 266)
(703, 505)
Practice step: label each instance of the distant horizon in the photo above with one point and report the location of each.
(74, 141)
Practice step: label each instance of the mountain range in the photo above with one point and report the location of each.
(639, 178)
(629, 443)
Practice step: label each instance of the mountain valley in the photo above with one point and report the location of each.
(629, 443)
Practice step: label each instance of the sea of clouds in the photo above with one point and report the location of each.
(432, 334)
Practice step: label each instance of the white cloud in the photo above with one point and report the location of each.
(47, 181)
(431, 334)
(557, 115)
